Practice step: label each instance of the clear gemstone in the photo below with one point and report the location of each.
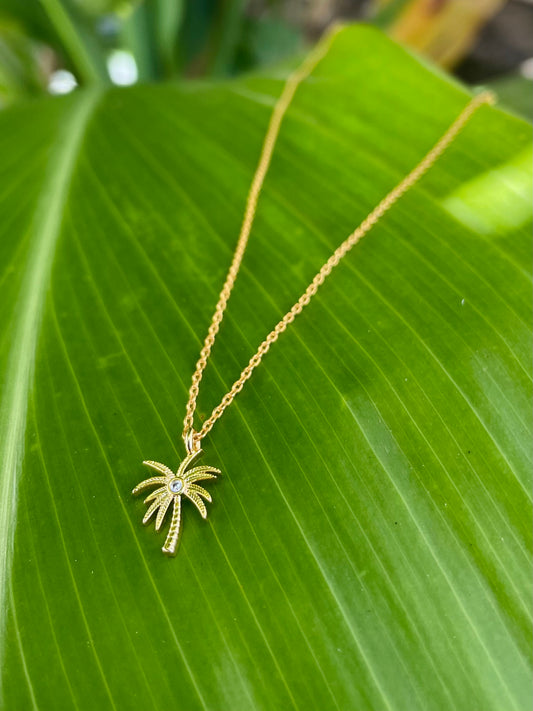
(176, 486)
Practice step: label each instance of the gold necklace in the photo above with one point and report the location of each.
(172, 486)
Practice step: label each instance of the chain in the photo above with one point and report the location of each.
(192, 438)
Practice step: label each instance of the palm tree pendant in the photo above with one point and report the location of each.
(172, 486)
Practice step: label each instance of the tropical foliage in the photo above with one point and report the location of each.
(369, 543)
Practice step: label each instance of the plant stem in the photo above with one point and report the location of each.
(88, 63)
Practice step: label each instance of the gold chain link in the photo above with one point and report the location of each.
(192, 438)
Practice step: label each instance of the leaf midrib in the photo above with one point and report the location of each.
(44, 234)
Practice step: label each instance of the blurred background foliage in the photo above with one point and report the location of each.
(55, 45)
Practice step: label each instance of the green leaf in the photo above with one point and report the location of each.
(226, 32)
(151, 33)
(368, 544)
(514, 91)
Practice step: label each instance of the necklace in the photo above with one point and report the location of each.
(172, 486)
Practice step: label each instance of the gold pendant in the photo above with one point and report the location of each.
(174, 485)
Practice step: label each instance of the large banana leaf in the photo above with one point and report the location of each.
(368, 544)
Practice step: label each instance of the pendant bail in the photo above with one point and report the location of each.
(191, 443)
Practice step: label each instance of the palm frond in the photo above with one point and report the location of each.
(159, 467)
(153, 508)
(186, 463)
(199, 477)
(155, 494)
(149, 482)
(197, 501)
(162, 511)
(200, 491)
(199, 473)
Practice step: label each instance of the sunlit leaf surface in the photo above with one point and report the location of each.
(368, 543)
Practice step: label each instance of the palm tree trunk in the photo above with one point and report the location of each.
(171, 542)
